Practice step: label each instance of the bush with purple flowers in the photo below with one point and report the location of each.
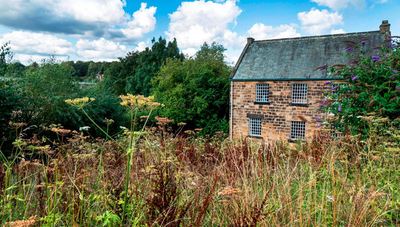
(368, 87)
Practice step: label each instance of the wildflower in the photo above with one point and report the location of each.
(375, 58)
(181, 124)
(79, 102)
(328, 82)
(349, 49)
(84, 128)
(340, 107)
(108, 121)
(139, 101)
(363, 42)
(354, 77)
(163, 120)
(61, 131)
(330, 198)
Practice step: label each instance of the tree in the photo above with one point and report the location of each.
(196, 91)
(45, 88)
(5, 57)
(134, 72)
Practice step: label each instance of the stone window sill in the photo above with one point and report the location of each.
(254, 136)
(299, 104)
(262, 103)
(290, 140)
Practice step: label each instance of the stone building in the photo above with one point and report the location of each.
(277, 85)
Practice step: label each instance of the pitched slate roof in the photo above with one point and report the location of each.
(304, 58)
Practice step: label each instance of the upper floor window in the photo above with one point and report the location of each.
(297, 130)
(254, 126)
(262, 93)
(299, 93)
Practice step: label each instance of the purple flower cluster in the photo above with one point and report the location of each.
(375, 58)
(354, 77)
(339, 109)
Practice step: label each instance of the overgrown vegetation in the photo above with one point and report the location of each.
(370, 86)
(118, 159)
(165, 180)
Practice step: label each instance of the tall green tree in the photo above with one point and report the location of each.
(5, 57)
(196, 91)
(133, 73)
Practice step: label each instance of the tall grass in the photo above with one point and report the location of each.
(188, 181)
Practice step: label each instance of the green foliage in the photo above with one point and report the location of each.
(5, 57)
(109, 219)
(369, 87)
(133, 74)
(10, 101)
(196, 91)
(45, 88)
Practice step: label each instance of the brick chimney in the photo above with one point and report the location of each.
(250, 40)
(384, 27)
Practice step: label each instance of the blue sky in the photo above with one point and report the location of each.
(107, 29)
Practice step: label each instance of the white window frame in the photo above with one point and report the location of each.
(262, 93)
(255, 126)
(297, 130)
(299, 93)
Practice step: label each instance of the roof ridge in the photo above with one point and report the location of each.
(317, 36)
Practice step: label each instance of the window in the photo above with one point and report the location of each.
(298, 130)
(262, 91)
(299, 93)
(254, 126)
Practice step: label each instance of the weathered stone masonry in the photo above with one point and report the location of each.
(276, 115)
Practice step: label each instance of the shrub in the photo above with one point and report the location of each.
(369, 86)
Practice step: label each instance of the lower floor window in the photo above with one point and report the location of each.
(298, 130)
(255, 126)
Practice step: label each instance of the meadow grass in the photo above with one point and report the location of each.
(190, 181)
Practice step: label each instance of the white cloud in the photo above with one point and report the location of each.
(194, 23)
(142, 22)
(340, 4)
(337, 31)
(262, 31)
(88, 18)
(141, 46)
(100, 50)
(316, 22)
(94, 11)
(37, 45)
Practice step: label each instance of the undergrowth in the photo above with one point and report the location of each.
(189, 181)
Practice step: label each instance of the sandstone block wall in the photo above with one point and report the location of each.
(278, 114)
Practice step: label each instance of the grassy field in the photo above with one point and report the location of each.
(155, 179)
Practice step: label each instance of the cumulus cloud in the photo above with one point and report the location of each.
(316, 22)
(98, 18)
(340, 4)
(262, 31)
(194, 23)
(337, 31)
(36, 43)
(143, 21)
(100, 49)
